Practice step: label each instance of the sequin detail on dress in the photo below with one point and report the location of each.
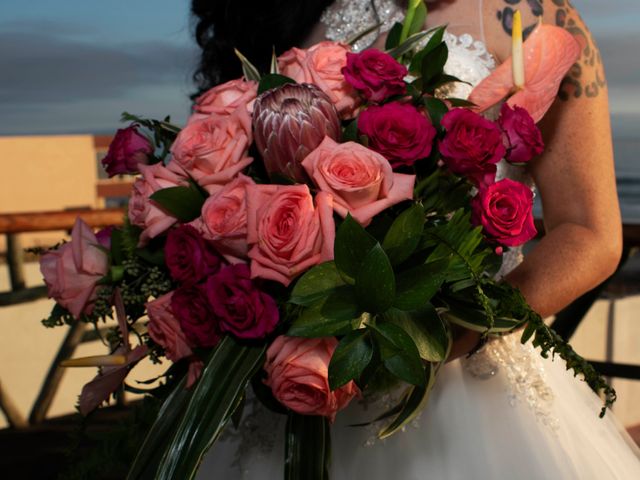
(346, 19)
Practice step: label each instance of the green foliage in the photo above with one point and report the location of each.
(399, 353)
(249, 70)
(404, 235)
(375, 282)
(213, 402)
(273, 80)
(351, 357)
(316, 283)
(184, 203)
(335, 314)
(163, 133)
(352, 244)
(307, 448)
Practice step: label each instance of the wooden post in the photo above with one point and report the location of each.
(15, 262)
(55, 373)
(13, 416)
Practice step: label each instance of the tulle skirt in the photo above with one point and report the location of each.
(509, 415)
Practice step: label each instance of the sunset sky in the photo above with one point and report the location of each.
(72, 66)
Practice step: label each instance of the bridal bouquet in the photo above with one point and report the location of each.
(313, 234)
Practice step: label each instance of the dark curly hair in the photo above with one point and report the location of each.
(254, 27)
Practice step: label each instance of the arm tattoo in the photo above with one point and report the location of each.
(580, 80)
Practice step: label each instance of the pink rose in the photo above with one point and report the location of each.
(288, 234)
(127, 149)
(226, 98)
(224, 219)
(522, 137)
(73, 270)
(472, 145)
(322, 65)
(297, 372)
(143, 211)
(213, 150)
(377, 75)
(398, 131)
(165, 330)
(242, 309)
(504, 209)
(360, 180)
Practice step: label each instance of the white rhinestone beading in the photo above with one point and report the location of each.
(525, 373)
(346, 19)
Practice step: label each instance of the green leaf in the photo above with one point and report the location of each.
(440, 80)
(273, 80)
(436, 109)
(410, 43)
(375, 281)
(399, 353)
(412, 405)
(146, 461)
(433, 63)
(249, 71)
(223, 381)
(404, 234)
(350, 358)
(434, 41)
(352, 244)
(307, 447)
(393, 38)
(426, 329)
(117, 246)
(184, 203)
(415, 287)
(350, 132)
(460, 102)
(333, 315)
(418, 19)
(273, 68)
(315, 284)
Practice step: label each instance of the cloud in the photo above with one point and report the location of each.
(42, 68)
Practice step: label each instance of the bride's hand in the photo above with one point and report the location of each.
(464, 341)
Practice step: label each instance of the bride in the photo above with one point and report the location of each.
(504, 412)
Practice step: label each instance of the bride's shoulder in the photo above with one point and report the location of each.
(498, 20)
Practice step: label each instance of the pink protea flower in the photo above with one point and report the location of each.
(289, 122)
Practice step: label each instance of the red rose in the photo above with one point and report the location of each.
(398, 131)
(472, 145)
(188, 256)
(504, 211)
(192, 309)
(522, 137)
(242, 309)
(376, 74)
(127, 149)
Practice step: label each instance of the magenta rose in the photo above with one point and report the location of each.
(165, 330)
(73, 270)
(297, 372)
(144, 212)
(213, 150)
(377, 75)
(287, 232)
(472, 145)
(127, 149)
(226, 98)
(188, 256)
(398, 131)
(504, 209)
(104, 236)
(242, 309)
(321, 65)
(522, 137)
(192, 309)
(360, 180)
(224, 219)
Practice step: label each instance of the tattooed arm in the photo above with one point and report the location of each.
(575, 177)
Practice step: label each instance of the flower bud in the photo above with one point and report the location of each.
(289, 122)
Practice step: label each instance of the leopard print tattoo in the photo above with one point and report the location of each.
(580, 81)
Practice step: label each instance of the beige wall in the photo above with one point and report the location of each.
(46, 173)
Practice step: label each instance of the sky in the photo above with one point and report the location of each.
(72, 66)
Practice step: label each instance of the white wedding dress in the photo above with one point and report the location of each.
(503, 414)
